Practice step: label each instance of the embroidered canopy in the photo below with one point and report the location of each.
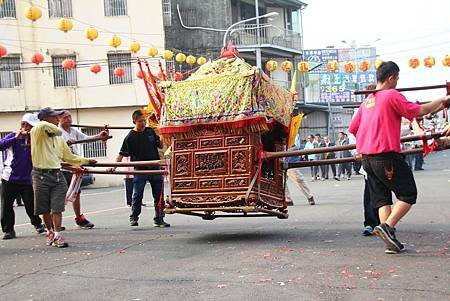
(228, 94)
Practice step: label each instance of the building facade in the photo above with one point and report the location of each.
(93, 99)
(199, 29)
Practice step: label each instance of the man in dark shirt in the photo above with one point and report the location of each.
(141, 144)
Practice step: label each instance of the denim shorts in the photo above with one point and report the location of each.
(50, 190)
(387, 173)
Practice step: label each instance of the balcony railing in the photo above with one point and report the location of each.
(247, 35)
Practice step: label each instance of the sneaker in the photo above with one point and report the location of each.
(162, 224)
(50, 238)
(59, 242)
(128, 205)
(134, 223)
(144, 205)
(387, 234)
(82, 222)
(40, 229)
(336, 178)
(10, 235)
(311, 201)
(63, 228)
(367, 231)
(348, 178)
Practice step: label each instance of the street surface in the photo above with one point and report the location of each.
(316, 254)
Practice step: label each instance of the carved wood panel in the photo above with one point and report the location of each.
(236, 182)
(210, 183)
(188, 184)
(185, 144)
(236, 140)
(182, 165)
(239, 161)
(211, 142)
(213, 163)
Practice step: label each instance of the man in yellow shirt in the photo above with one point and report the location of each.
(48, 150)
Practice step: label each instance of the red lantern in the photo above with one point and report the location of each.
(96, 68)
(303, 66)
(119, 71)
(286, 66)
(446, 61)
(140, 74)
(349, 67)
(414, 62)
(37, 58)
(3, 51)
(68, 64)
(364, 65)
(178, 76)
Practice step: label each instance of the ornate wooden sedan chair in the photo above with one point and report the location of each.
(219, 123)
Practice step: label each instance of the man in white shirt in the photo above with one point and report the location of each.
(70, 135)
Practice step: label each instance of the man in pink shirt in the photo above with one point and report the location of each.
(376, 127)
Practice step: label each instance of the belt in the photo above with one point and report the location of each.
(53, 170)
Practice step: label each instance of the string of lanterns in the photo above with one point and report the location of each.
(350, 66)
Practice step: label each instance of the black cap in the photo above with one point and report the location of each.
(48, 112)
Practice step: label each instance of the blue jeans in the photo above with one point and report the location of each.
(139, 182)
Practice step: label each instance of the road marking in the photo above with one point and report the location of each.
(98, 193)
(90, 213)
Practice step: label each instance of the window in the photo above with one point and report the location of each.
(115, 8)
(167, 13)
(189, 16)
(8, 9)
(119, 60)
(10, 75)
(60, 8)
(63, 77)
(95, 149)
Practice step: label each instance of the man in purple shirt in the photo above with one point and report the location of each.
(16, 177)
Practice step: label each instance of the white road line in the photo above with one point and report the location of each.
(90, 213)
(98, 193)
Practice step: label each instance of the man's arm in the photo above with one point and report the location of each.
(6, 142)
(69, 157)
(434, 106)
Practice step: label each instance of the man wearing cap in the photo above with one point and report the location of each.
(48, 149)
(16, 177)
(71, 135)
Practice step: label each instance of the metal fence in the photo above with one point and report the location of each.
(120, 60)
(10, 74)
(167, 12)
(115, 8)
(8, 9)
(61, 76)
(95, 149)
(247, 35)
(60, 8)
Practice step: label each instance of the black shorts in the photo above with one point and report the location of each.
(387, 173)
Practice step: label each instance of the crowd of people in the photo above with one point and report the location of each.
(32, 171)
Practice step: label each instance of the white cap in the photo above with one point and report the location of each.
(31, 119)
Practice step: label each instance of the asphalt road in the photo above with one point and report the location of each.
(316, 254)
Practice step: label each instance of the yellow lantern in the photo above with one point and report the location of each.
(168, 55)
(446, 61)
(33, 13)
(180, 58)
(364, 65)
(65, 24)
(349, 67)
(191, 60)
(271, 66)
(414, 62)
(115, 41)
(332, 66)
(303, 66)
(201, 60)
(135, 47)
(153, 52)
(91, 33)
(286, 66)
(429, 61)
(378, 62)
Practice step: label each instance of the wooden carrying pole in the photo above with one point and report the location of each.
(320, 150)
(345, 160)
(447, 85)
(118, 172)
(91, 140)
(124, 164)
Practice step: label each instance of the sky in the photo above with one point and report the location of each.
(404, 28)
